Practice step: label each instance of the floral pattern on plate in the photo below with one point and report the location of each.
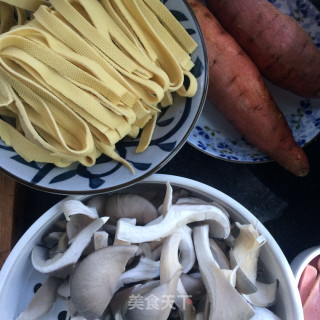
(215, 136)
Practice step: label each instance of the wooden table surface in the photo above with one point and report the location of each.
(11, 214)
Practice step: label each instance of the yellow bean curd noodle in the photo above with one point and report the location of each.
(77, 76)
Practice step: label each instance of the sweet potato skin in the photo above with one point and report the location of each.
(277, 44)
(237, 89)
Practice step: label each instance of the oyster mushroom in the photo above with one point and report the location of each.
(246, 251)
(62, 263)
(215, 230)
(161, 295)
(146, 269)
(42, 301)
(265, 295)
(129, 206)
(187, 255)
(264, 314)
(119, 303)
(97, 202)
(244, 260)
(177, 216)
(71, 207)
(169, 260)
(64, 289)
(100, 239)
(191, 200)
(219, 255)
(95, 279)
(164, 208)
(61, 246)
(220, 292)
(52, 238)
(151, 250)
(169, 266)
(193, 285)
(116, 241)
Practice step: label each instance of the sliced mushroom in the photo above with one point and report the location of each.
(167, 203)
(146, 269)
(97, 202)
(246, 250)
(177, 216)
(71, 207)
(169, 266)
(200, 316)
(215, 229)
(116, 241)
(42, 301)
(264, 314)
(119, 303)
(61, 225)
(193, 285)
(244, 260)
(62, 263)
(61, 246)
(169, 260)
(265, 295)
(187, 255)
(219, 255)
(220, 291)
(161, 298)
(95, 279)
(130, 206)
(187, 310)
(52, 239)
(71, 308)
(64, 289)
(191, 200)
(100, 239)
(76, 223)
(151, 250)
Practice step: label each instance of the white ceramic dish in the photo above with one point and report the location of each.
(171, 132)
(300, 262)
(215, 136)
(18, 278)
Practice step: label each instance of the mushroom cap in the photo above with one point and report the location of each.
(94, 280)
(130, 206)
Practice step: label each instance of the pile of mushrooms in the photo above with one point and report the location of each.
(124, 256)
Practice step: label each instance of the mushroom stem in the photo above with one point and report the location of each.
(220, 292)
(42, 301)
(177, 216)
(146, 269)
(71, 207)
(62, 264)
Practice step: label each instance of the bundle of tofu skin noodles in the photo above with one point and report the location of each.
(78, 76)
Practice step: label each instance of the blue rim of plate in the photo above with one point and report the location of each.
(214, 135)
(95, 180)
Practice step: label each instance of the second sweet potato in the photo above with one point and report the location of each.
(237, 89)
(277, 44)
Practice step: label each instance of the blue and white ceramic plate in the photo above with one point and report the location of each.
(215, 136)
(171, 132)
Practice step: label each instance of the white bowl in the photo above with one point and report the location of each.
(18, 278)
(300, 262)
(173, 127)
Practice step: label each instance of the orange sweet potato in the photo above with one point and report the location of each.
(237, 89)
(277, 44)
